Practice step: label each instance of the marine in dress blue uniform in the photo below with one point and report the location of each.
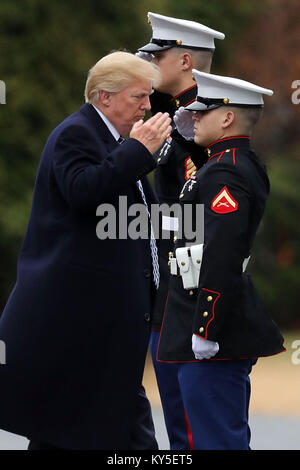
(215, 325)
(177, 160)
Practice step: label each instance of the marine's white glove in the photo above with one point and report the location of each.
(145, 56)
(184, 123)
(204, 349)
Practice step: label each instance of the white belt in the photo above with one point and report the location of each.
(188, 260)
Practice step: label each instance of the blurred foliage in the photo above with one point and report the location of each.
(47, 49)
(276, 263)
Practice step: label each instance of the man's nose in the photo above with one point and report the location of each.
(146, 104)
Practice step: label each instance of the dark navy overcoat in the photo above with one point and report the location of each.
(77, 323)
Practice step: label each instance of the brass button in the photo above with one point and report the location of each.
(205, 314)
(198, 261)
(228, 150)
(191, 292)
(208, 152)
(159, 159)
(209, 298)
(201, 329)
(177, 102)
(182, 263)
(181, 195)
(170, 254)
(175, 239)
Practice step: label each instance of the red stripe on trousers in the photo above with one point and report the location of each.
(189, 432)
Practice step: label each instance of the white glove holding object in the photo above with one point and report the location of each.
(184, 123)
(145, 56)
(203, 349)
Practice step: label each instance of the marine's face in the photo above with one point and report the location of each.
(207, 127)
(169, 65)
(129, 106)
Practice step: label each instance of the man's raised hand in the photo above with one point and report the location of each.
(153, 132)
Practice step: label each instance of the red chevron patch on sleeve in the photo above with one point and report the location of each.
(224, 203)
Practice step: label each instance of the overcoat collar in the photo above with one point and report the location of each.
(95, 119)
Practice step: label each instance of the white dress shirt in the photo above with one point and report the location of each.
(110, 126)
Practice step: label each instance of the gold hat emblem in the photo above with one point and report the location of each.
(178, 42)
(226, 100)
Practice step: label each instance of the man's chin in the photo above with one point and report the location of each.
(198, 140)
(161, 89)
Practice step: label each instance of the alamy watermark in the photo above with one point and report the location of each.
(2, 352)
(296, 353)
(2, 92)
(132, 221)
(296, 94)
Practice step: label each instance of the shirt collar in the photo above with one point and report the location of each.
(110, 126)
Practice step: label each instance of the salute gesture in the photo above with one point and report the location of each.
(153, 132)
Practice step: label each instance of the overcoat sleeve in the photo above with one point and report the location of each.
(88, 174)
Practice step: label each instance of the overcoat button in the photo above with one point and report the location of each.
(147, 273)
(209, 298)
(201, 329)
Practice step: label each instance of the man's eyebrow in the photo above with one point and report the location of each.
(144, 93)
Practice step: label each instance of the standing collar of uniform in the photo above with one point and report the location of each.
(106, 121)
(221, 145)
(185, 98)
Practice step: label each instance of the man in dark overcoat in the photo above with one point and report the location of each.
(76, 325)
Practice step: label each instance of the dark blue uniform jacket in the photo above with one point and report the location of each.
(233, 187)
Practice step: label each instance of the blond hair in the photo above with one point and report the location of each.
(115, 72)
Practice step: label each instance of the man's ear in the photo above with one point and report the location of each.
(105, 98)
(228, 119)
(186, 61)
